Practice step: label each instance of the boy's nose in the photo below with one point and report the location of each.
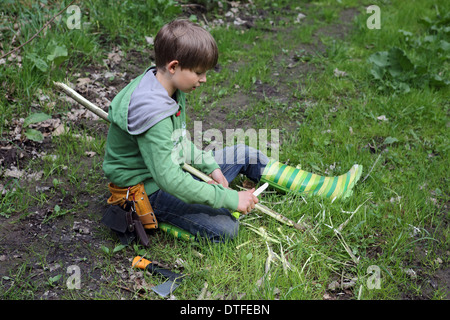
(202, 79)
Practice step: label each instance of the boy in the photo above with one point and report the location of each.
(143, 160)
(146, 148)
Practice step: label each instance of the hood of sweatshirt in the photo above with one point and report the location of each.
(142, 104)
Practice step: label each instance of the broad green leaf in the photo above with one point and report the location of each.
(377, 72)
(34, 135)
(105, 249)
(429, 38)
(38, 62)
(54, 279)
(403, 87)
(427, 21)
(118, 248)
(408, 35)
(444, 45)
(405, 33)
(58, 55)
(390, 140)
(438, 81)
(380, 59)
(35, 118)
(399, 63)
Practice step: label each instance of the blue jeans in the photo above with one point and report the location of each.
(200, 220)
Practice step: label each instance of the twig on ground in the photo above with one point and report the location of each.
(346, 247)
(373, 166)
(269, 258)
(263, 233)
(243, 244)
(132, 291)
(202, 294)
(342, 226)
(36, 34)
(284, 262)
(342, 240)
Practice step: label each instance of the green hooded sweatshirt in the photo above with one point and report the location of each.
(147, 143)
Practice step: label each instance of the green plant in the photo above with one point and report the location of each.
(109, 252)
(55, 213)
(136, 18)
(55, 54)
(53, 280)
(33, 118)
(393, 69)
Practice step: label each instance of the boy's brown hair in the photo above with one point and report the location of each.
(187, 42)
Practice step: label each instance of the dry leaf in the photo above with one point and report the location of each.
(149, 40)
(61, 129)
(300, 16)
(83, 81)
(338, 73)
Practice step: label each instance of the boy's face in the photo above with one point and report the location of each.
(188, 80)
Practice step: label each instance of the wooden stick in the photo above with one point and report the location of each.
(258, 206)
(81, 100)
(104, 115)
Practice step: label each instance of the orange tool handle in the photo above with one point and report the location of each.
(141, 263)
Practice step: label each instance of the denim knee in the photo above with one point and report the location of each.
(221, 228)
(229, 231)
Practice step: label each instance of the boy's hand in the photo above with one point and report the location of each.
(247, 201)
(219, 178)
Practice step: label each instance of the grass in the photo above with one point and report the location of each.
(396, 223)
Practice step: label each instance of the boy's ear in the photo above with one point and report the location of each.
(172, 65)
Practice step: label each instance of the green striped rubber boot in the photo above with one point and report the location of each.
(176, 232)
(288, 179)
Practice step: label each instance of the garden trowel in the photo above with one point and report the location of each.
(173, 279)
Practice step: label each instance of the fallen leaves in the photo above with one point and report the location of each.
(80, 227)
(50, 127)
(342, 285)
(17, 174)
(239, 14)
(114, 57)
(76, 114)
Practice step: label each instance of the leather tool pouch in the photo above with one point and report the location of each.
(142, 204)
(125, 223)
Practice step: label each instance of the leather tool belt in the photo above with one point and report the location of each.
(138, 195)
(125, 222)
(130, 213)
